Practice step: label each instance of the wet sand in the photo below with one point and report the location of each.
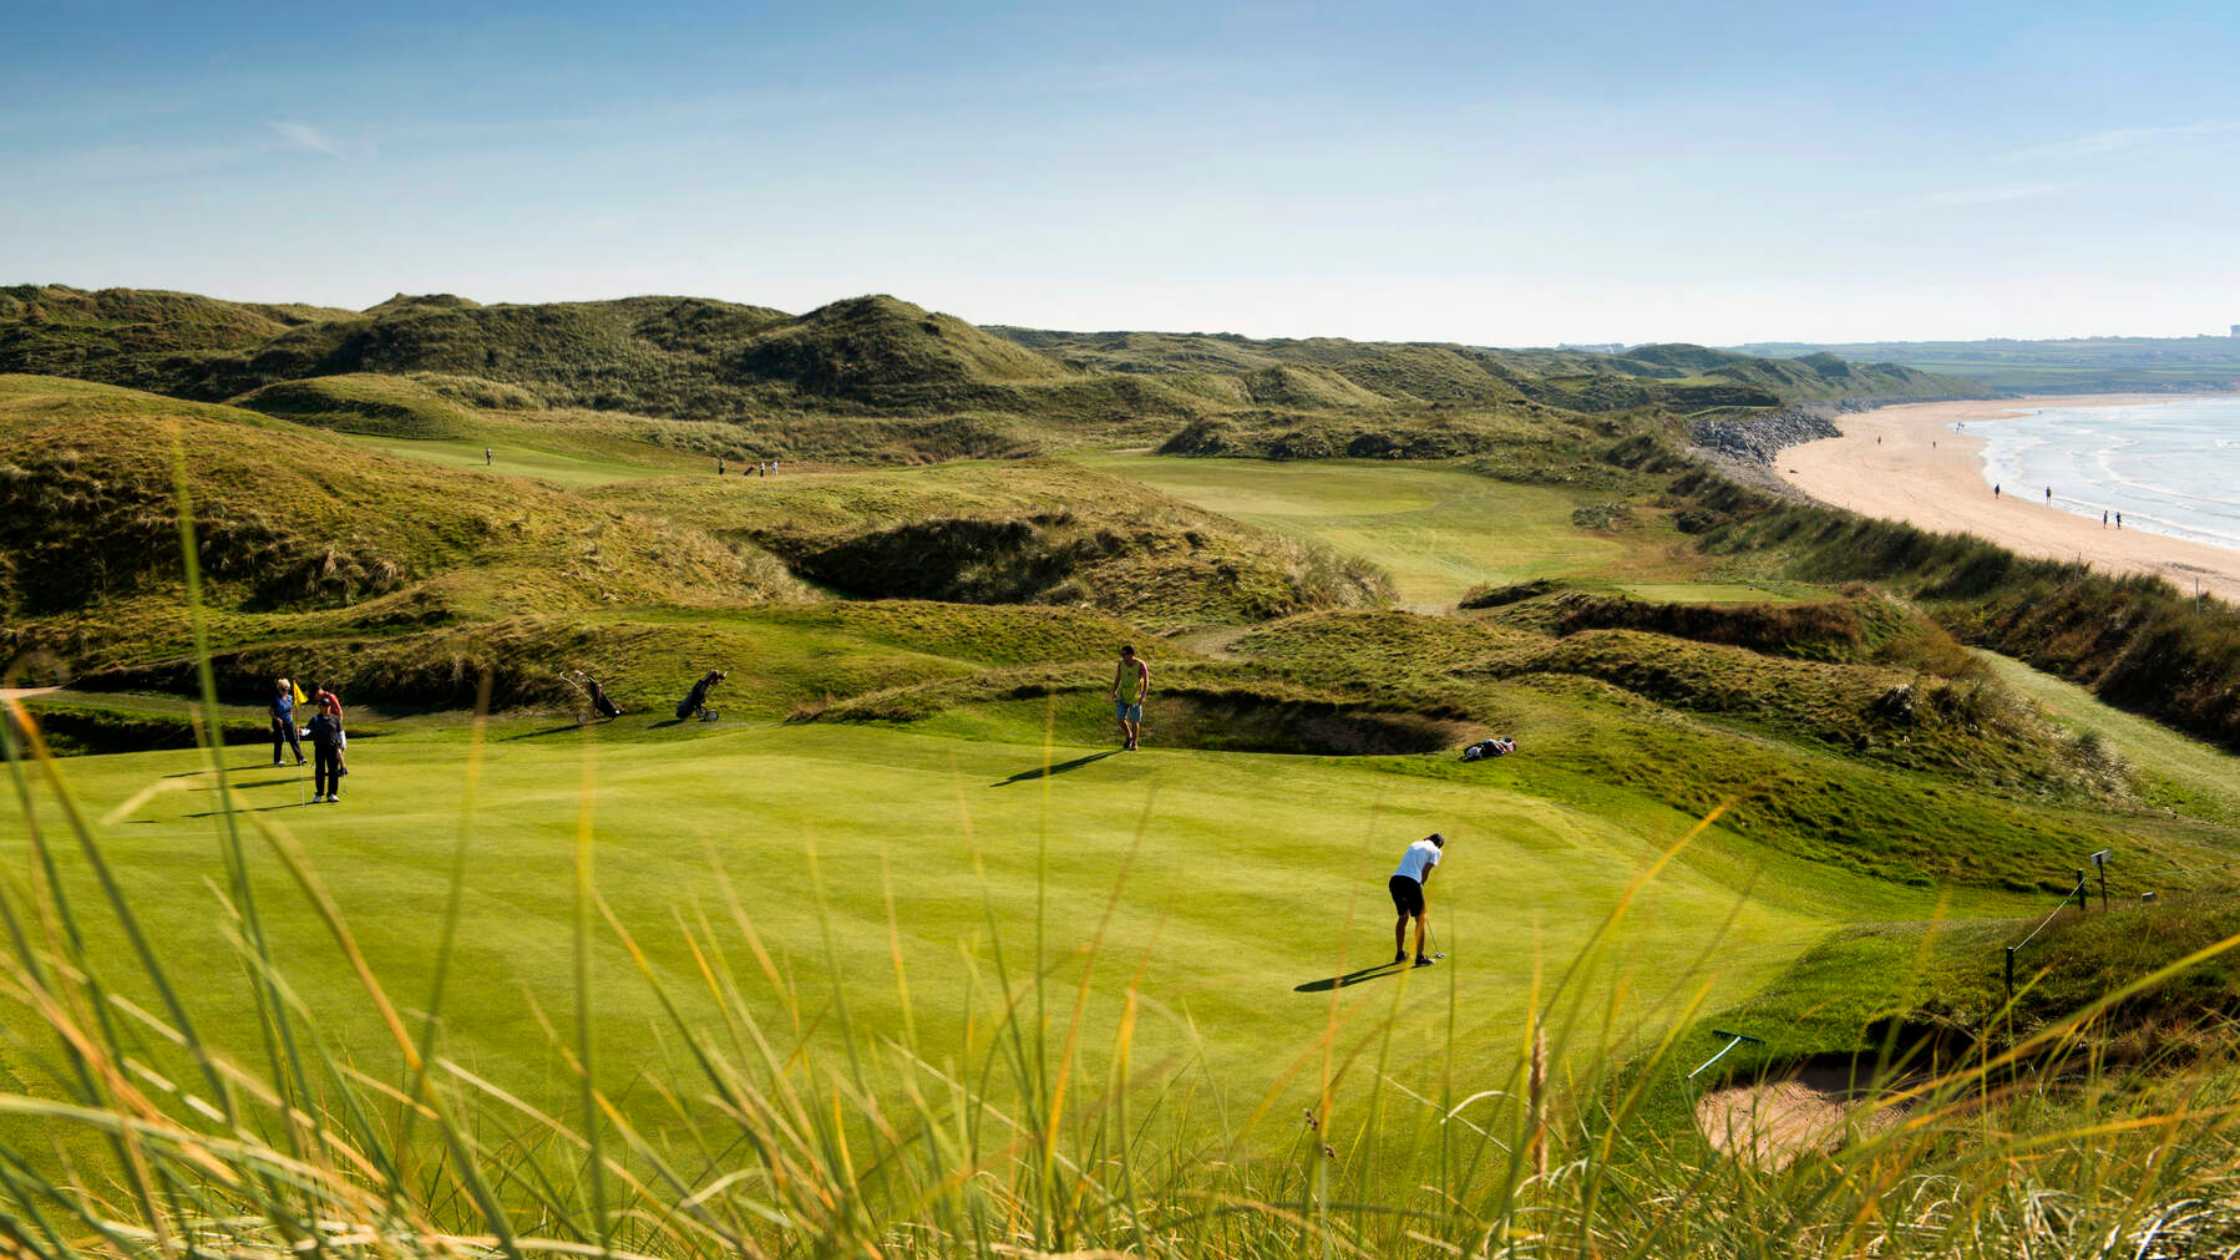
(1923, 473)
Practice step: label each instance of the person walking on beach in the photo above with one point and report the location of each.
(283, 710)
(2049, 494)
(1406, 887)
(2119, 520)
(1994, 489)
(1131, 682)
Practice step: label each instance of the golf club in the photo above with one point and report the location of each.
(1436, 952)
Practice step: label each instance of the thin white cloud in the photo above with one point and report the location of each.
(1992, 195)
(308, 138)
(2120, 139)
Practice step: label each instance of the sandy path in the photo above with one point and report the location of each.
(1921, 472)
(24, 693)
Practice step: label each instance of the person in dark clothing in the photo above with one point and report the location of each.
(326, 757)
(283, 711)
(330, 703)
(695, 702)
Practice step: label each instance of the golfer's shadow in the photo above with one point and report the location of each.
(188, 774)
(1363, 976)
(1038, 772)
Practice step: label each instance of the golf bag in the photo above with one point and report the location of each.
(600, 704)
(1488, 748)
(695, 703)
(593, 694)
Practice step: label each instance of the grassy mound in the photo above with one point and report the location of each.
(1026, 533)
(1199, 706)
(1487, 595)
(175, 343)
(1862, 626)
(289, 520)
(1884, 989)
(87, 512)
(783, 658)
(2135, 641)
(384, 406)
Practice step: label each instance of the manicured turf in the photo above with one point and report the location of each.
(575, 467)
(1438, 531)
(1253, 875)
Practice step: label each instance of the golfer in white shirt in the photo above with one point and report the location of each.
(1407, 884)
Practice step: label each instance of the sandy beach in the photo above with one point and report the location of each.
(1906, 463)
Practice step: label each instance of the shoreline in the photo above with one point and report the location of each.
(1905, 463)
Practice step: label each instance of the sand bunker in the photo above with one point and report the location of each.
(1775, 1123)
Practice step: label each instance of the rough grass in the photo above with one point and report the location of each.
(379, 406)
(289, 518)
(1021, 533)
(2135, 641)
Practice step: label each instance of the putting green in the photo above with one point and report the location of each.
(1231, 879)
(1437, 530)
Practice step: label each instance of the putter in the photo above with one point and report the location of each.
(1436, 952)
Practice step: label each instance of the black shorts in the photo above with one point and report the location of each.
(1407, 896)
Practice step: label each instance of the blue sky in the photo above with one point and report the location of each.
(1495, 173)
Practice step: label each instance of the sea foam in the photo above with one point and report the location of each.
(2170, 467)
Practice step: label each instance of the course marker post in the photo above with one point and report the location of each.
(2100, 861)
(2010, 975)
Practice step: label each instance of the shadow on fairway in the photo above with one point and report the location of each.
(266, 783)
(1039, 771)
(552, 730)
(1362, 976)
(254, 765)
(257, 809)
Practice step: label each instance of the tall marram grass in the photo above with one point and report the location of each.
(755, 1131)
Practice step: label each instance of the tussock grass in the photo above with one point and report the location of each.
(1034, 532)
(2136, 641)
(786, 1126)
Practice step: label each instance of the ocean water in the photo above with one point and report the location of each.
(2170, 467)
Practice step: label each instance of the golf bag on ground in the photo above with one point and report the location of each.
(599, 700)
(594, 694)
(695, 703)
(1488, 748)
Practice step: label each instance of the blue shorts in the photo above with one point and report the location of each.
(1128, 712)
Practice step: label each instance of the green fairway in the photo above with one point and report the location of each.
(1438, 531)
(1232, 879)
(2200, 777)
(575, 464)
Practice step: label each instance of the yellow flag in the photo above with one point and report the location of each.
(300, 697)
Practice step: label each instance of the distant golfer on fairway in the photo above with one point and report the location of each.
(1407, 884)
(1131, 682)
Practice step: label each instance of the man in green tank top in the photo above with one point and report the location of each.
(1131, 682)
